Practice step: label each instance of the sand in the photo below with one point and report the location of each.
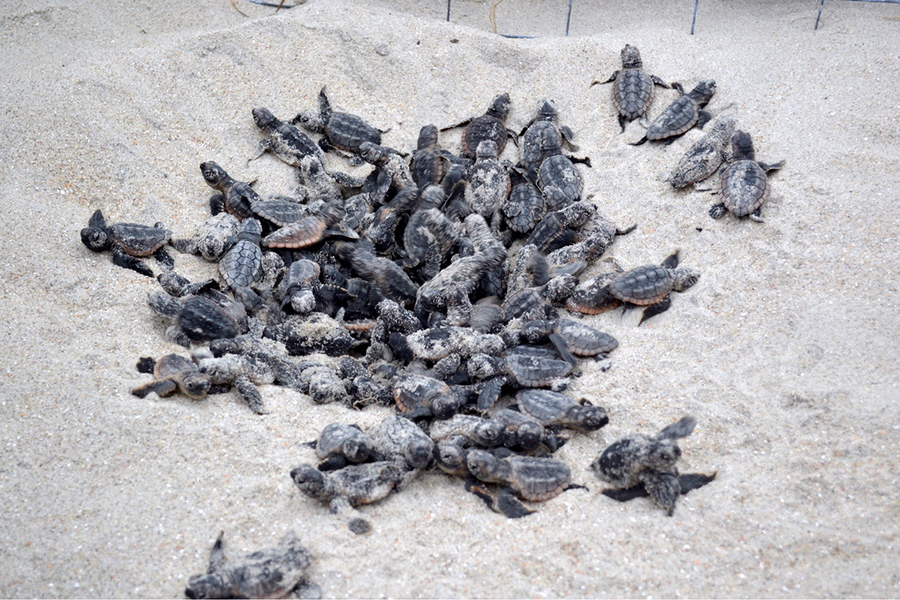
(785, 351)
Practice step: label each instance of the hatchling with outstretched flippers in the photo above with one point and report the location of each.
(646, 461)
(351, 486)
(285, 141)
(340, 130)
(744, 186)
(706, 155)
(172, 373)
(682, 114)
(270, 573)
(632, 91)
(489, 126)
(234, 197)
(128, 242)
(530, 478)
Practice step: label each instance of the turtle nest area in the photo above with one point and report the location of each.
(400, 307)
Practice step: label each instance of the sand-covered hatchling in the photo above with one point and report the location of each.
(198, 318)
(418, 396)
(128, 242)
(489, 183)
(706, 155)
(172, 373)
(633, 88)
(648, 461)
(285, 141)
(397, 438)
(744, 186)
(339, 444)
(212, 238)
(682, 114)
(339, 130)
(269, 573)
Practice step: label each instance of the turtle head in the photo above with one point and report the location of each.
(684, 278)
(311, 121)
(310, 480)
(263, 118)
(356, 450)
(419, 453)
(530, 435)
(547, 111)
(208, 585)
(213, 174)
(445, 406)
(488, 433)
(310, 167)
(704, 91)
(631, 57)
(96, 238)
(195, 385)
(486, 149)
(499, 107)
(662, 455)
(535, 332)
(372, 153)
(428, 137)
(588, 417)
(742, 146)
(484, 465)
(451, 458)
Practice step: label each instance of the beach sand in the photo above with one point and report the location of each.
(785, 351)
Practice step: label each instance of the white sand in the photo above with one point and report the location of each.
(786, 350)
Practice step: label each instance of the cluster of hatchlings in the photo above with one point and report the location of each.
(433, 285)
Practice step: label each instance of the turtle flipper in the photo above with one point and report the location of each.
(622, 122)
(767, 167)
(264, 146)
(664, 488)
(307, 590)
(217, 554)
(756, 215)
(164, 259)
(216, 204)
(610, 80)
(120, 259)
(672, 260)
(460, 124)
(568, 137)
(660, 82)
(332, 463)
(694, 481)
(626, 494)
(705, 118)
(639, 142)
(656, 309)
(342, 507)
(146, 364)
(561, 348)
(162, 388)
(717, 211)
(97, 221)
(504, 503)
(249, 393)
(489, 393)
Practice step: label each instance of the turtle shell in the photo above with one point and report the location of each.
(524, 208)
(239, 198)
(300, 234)
(642, 286)
(593, 296)
(541, 140)
(535, 369)
(411, 391)
(172, 365)
(279, 212)
(139, 240)
(543, 405)
(203, 320)
(485, 127)
(347, 132)
(558, 171)
(345, 440)
(488, 187)
(242, 264)
(583, 340)
(744, 187)
(632, 93)
(538, 479)
(292, 145)
(678, 117)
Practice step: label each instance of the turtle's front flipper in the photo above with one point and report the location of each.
(660, 82)
(626, 494)
(249, 393)
(460, 124)
(217, 554)
(655, 309)
(332, 463)
(504, 503)
(216, 204)
(639, 142)
(164, 259)
(307, 590)
(120, 259)
(704, 119)
(693, 481)
(771, 167)
(264, 146)
(584, 161)
(568, 137)
(97, 221)
(162, 388)
(561, 348)
(146, 364)
(610, 80)
(664, 488)
(679, 429)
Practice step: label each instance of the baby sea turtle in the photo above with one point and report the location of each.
(285, 141)
(479, 431)
(397, 438)
(340, 130)
(560, 182)
(419, 396)
(351, 486)
(524, 207)
(489, 126)
(297, 285)
(554, 409)
(235, 196)
(242, 373)
(524, 432)
(543, 137)
(489, 183)
(280, 211)
(519, 367)
(128, 242)
(212, 238)
(569, 337)
(390, 162)
(706, 155)
(270, 573)
(308, 231)
(632, 91)
(682, 114)
(339, 444)
(530, 478)
(172, 373)
(649, 461)
(649, 286)
(429, 163)
(307, 334)
(241, 266)
(744, 186)
(197, 318)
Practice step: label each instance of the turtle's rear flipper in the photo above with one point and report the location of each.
(655, 309)
(146, 364)
(622, 122)
(626, 494)
(717, 211)
(120, 259)
(162, 388)
(504, 503)
(250, 394)
(664, 488)
(694, 481)
(164, 259)
(639, 142)
(704, 119)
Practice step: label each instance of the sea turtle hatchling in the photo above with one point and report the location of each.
(128, 242)
(397, 438)
(339, 444)
(351, 486)
(241, 266)
(632, 91)
(648, 462)
(489, 126)
(340, 130)
(543, 137)
(172, 373)
(269, 573)
(570, 338)
(419, 396)
(285, 141)
(744, 186)
(650, 286)
(534, 479)
(682, 114)
(234, 197)
(212, 238)
(489, 183)
(706, 155)
(198, 318)
(554, 409)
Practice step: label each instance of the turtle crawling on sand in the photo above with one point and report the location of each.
(342, 131)
(128, 242)
(744, 186)
(339, 444)
(645, 461)
(682, 114)
(172, 373)
(270, 573)
(632, 91)
(706, 155)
